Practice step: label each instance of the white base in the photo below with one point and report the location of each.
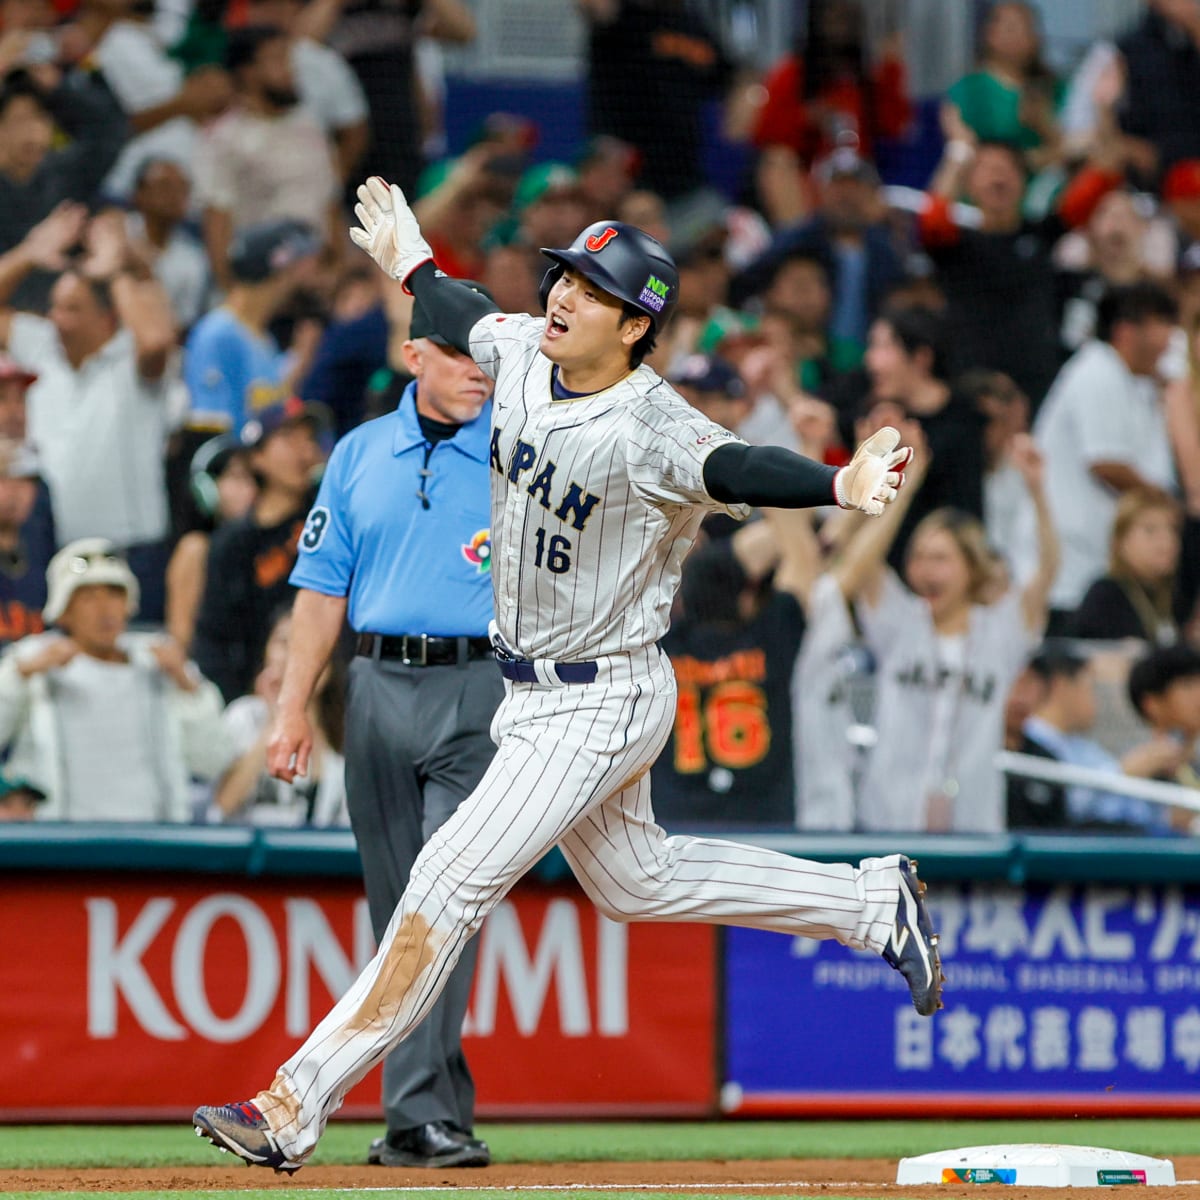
(1036, 1166)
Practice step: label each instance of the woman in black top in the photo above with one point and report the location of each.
(1134, 600)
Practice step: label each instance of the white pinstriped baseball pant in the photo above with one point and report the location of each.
(572, 769)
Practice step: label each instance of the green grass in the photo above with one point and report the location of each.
(34, 1146)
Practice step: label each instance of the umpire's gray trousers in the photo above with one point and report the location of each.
(416, 744)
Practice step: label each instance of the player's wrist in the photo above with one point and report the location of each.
(839, 492)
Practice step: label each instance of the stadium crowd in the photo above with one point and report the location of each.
(187, 330)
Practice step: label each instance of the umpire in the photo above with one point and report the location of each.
(398, 542)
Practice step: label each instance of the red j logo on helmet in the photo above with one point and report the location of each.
(597, 243)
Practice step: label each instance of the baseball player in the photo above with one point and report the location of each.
(601, 474)
(398, 541)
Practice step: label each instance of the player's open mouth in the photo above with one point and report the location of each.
(556, 326)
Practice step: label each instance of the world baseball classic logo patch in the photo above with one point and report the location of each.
(655, 293)
(479, 551)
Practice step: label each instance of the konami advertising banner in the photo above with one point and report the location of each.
(141, 997)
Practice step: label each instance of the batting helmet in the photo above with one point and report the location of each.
(624, 261)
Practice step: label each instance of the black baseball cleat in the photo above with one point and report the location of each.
(435, 1144)
(913, 947)
(243, 1130)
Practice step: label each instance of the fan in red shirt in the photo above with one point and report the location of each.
(826, 89)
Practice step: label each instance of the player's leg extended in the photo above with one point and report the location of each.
(633, 871)
(561, 750)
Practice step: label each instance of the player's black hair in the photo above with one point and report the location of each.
(18, 84)
(918, 328)
(1058, 658)
(645, 344)
(1134, 303)
(1154, 674)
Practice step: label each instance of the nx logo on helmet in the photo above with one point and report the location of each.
(597, 242)
(655, 293)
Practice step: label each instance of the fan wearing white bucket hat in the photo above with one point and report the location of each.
(109, 724)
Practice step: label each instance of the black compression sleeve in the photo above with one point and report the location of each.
(767, 476)
(452, 306)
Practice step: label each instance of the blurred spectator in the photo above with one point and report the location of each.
(1181, 196)
(652, 65)
(1013, 96)
(827, 93)
(1133, 599)
(698, 247)
(906, 363)
(266, 158)
(377, 39)
(1001, 295)
(848, 232)
(733, 648)
(250, 559)
(1115, 239)
(607, 168)
(713, 387)
(358, 370)
(648, 212)
(1008, 513)
(19, 799)
(248, 792)
(947, 652)
(1164, 687)
(164, 109)
(35, 174)
(1104, 430)
(27, 539)
(223, 490)
(110, 725)
(461, 201)
(1183, 428)
(328, 88)
(157, 232)
(550, 206)
(1161, 62)
(98, 411)
(800, 289)
(232, 365)
(1057, 729)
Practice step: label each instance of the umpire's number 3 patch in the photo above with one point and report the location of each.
(314, 529)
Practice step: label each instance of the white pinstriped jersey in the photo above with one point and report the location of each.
(595, 502)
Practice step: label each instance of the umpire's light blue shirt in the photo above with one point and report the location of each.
(404, 567)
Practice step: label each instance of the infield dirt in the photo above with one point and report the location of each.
(859, 1177)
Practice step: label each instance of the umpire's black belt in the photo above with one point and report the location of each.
(420, 650)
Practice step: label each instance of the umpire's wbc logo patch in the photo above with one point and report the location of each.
(479, 551)
(655, 293)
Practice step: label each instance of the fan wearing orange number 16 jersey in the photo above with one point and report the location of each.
(732, 644)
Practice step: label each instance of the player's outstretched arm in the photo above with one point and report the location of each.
(769, 476)
(389, 233)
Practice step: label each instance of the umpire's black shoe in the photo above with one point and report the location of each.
(913, 946)
(435, 1144)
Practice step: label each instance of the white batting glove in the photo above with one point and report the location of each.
(875, 474)
(390, 233)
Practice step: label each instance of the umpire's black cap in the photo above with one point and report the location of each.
(625, 262)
